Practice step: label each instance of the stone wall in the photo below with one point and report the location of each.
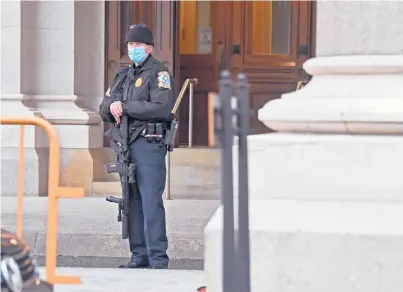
(326, 190)
(52, 64)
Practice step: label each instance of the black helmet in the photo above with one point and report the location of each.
(140, 33)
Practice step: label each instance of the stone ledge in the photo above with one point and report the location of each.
(317, 246)
(113, 262)
(93, 206)
(178, 190)
(89, 250)
(331, 167)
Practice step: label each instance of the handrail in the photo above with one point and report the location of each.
(191, 82)
(54, 192)
(188, 81)
(301, 84)
(190, 130)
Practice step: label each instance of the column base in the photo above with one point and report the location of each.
(78, 168)
(316, 246)
(324, 167)
(80, 132)
(77, 127)
(83, 167)
(347, 94)
(35, 157)
(35, 171)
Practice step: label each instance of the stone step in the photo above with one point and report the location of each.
(89, 235)
(190, 174)
(194, 174)
(178, 190)
(196, 156)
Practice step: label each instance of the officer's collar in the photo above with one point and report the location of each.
(144, 64)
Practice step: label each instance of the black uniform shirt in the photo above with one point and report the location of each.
(150, 92)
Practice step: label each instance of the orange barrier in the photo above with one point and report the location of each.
(54, 192)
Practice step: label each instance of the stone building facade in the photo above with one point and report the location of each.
(326, 189)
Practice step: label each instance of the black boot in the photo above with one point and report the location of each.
(159, 267)
(135, 265)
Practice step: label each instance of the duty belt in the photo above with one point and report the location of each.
(154, 132)
(151, 131)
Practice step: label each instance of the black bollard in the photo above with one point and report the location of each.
(225, 133)
(236, 250)
(243, 253)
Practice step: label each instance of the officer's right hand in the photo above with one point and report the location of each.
(116, 110)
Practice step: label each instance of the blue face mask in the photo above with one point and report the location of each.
(137, 55)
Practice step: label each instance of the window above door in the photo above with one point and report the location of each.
(265, 33)
(195, 32)
(270, 28)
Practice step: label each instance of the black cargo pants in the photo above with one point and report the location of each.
(147, 224)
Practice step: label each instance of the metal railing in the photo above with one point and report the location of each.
(54, 193)
(188, 82)
(301, 84)
(190, 139)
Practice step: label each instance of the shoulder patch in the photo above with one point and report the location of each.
(108, 92)
(164, 80)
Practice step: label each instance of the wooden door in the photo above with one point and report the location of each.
(270, 41)
(202, 48)
(160, 16)
(266, 40)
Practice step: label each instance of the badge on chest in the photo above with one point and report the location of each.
(138, 82)
(164, 81)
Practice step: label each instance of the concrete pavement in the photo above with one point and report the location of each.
(111, 280)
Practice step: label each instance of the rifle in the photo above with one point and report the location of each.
(173, 120)
(126, 169)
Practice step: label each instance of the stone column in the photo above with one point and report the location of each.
(13, 61)
(61, 68)
(327, 190)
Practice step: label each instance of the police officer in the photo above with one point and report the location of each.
(149, 89)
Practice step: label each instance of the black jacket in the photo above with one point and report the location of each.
(150, 92)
